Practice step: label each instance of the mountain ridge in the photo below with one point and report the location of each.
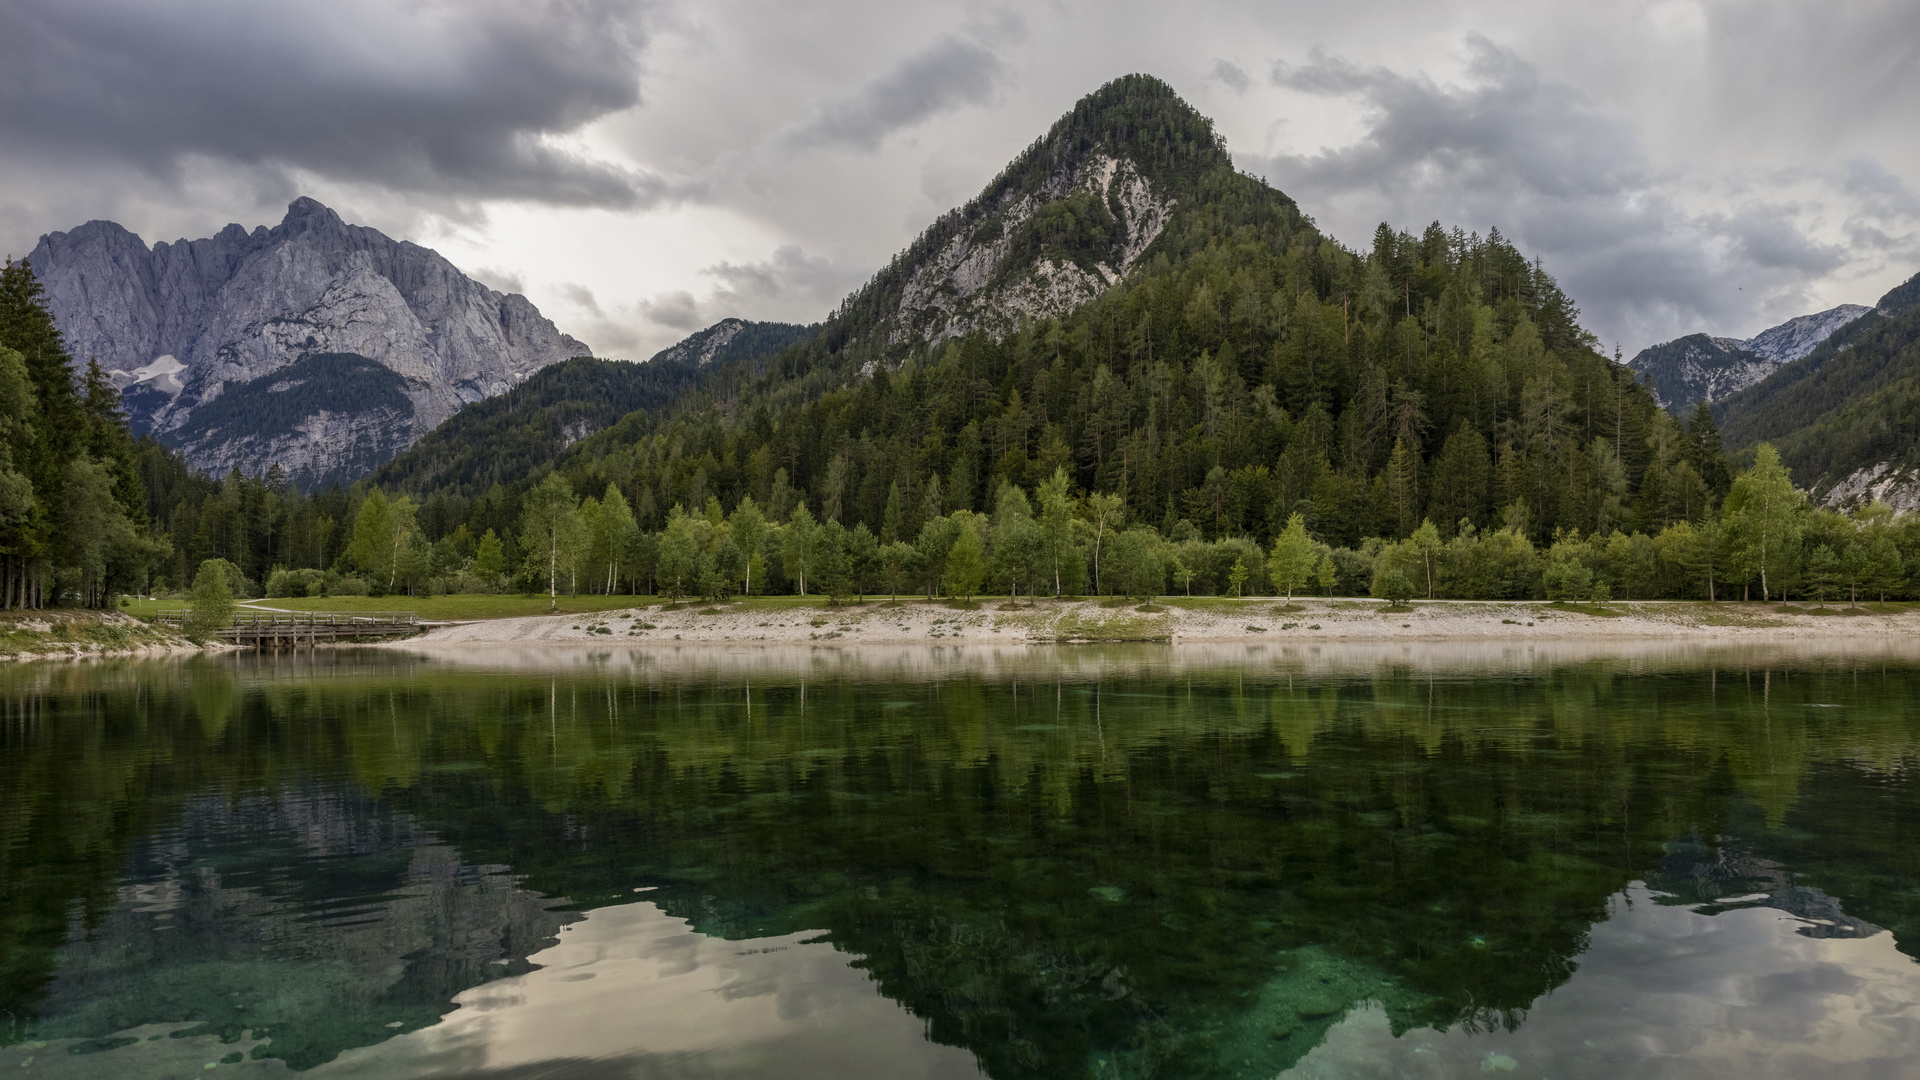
(1702, 367)
(176, 324)
(524, 429)
(1846, 416)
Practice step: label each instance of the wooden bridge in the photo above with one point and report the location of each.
(289, 629)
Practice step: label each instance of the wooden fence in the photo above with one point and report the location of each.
(278, 629)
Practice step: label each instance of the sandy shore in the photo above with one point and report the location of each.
(1264, 620)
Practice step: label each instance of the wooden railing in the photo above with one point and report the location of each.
(277, 629)
(266, 620)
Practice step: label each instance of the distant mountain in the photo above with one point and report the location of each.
(1845, 417)
(289, 324)
(1797, 337)
(504, 438)
(1698, 368)
(1702, 368)
(732, 339)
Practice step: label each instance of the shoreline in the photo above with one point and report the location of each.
(1267, 620)
(80, 634)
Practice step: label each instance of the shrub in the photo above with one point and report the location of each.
(1395, 588)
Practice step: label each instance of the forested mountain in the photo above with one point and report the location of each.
(1699, 368)
(503, 439)
(1846, 417)
(1125, 367)
(178, 326)
(1245, 367)
(733, 339)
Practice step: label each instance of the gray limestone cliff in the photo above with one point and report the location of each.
(181, 325)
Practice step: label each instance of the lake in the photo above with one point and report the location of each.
(1405, 861)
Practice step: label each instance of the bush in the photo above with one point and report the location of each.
(1395, 588)
(283, 582)
(338, 584)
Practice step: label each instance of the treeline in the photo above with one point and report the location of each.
(73, 523)
(1763, 541)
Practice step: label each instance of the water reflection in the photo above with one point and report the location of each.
(1084, 862)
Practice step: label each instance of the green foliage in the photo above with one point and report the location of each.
(1394, 587)
(1567, 580)
(1764, 521)
(1294, 556)
(966, 564)
(210, 606)
(73, 527)
(550, 530)
(1134, 568)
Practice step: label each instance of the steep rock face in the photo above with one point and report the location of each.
(987, 279)
(1896, 485)
(1068, 219)
(179, 323)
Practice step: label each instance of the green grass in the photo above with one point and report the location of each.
(1212, 603)
(147, 609)
(66, 631)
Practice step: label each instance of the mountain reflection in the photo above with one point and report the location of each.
(1066, 863)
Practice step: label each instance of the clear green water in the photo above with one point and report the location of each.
(1075, 863)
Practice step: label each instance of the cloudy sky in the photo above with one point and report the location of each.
(641, 169)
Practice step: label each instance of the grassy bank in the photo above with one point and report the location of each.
(79, 633)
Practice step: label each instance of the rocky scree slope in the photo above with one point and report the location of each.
(1845, 417)
(1703, 368)
(295, 308)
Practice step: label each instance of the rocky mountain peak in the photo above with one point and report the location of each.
(1799, 336)
(183, 324)
(1064, 222)
(307, 206)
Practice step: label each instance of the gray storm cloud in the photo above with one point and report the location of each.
(1559, 175)
(1717, 165)
(946, 75)
(453, 99)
